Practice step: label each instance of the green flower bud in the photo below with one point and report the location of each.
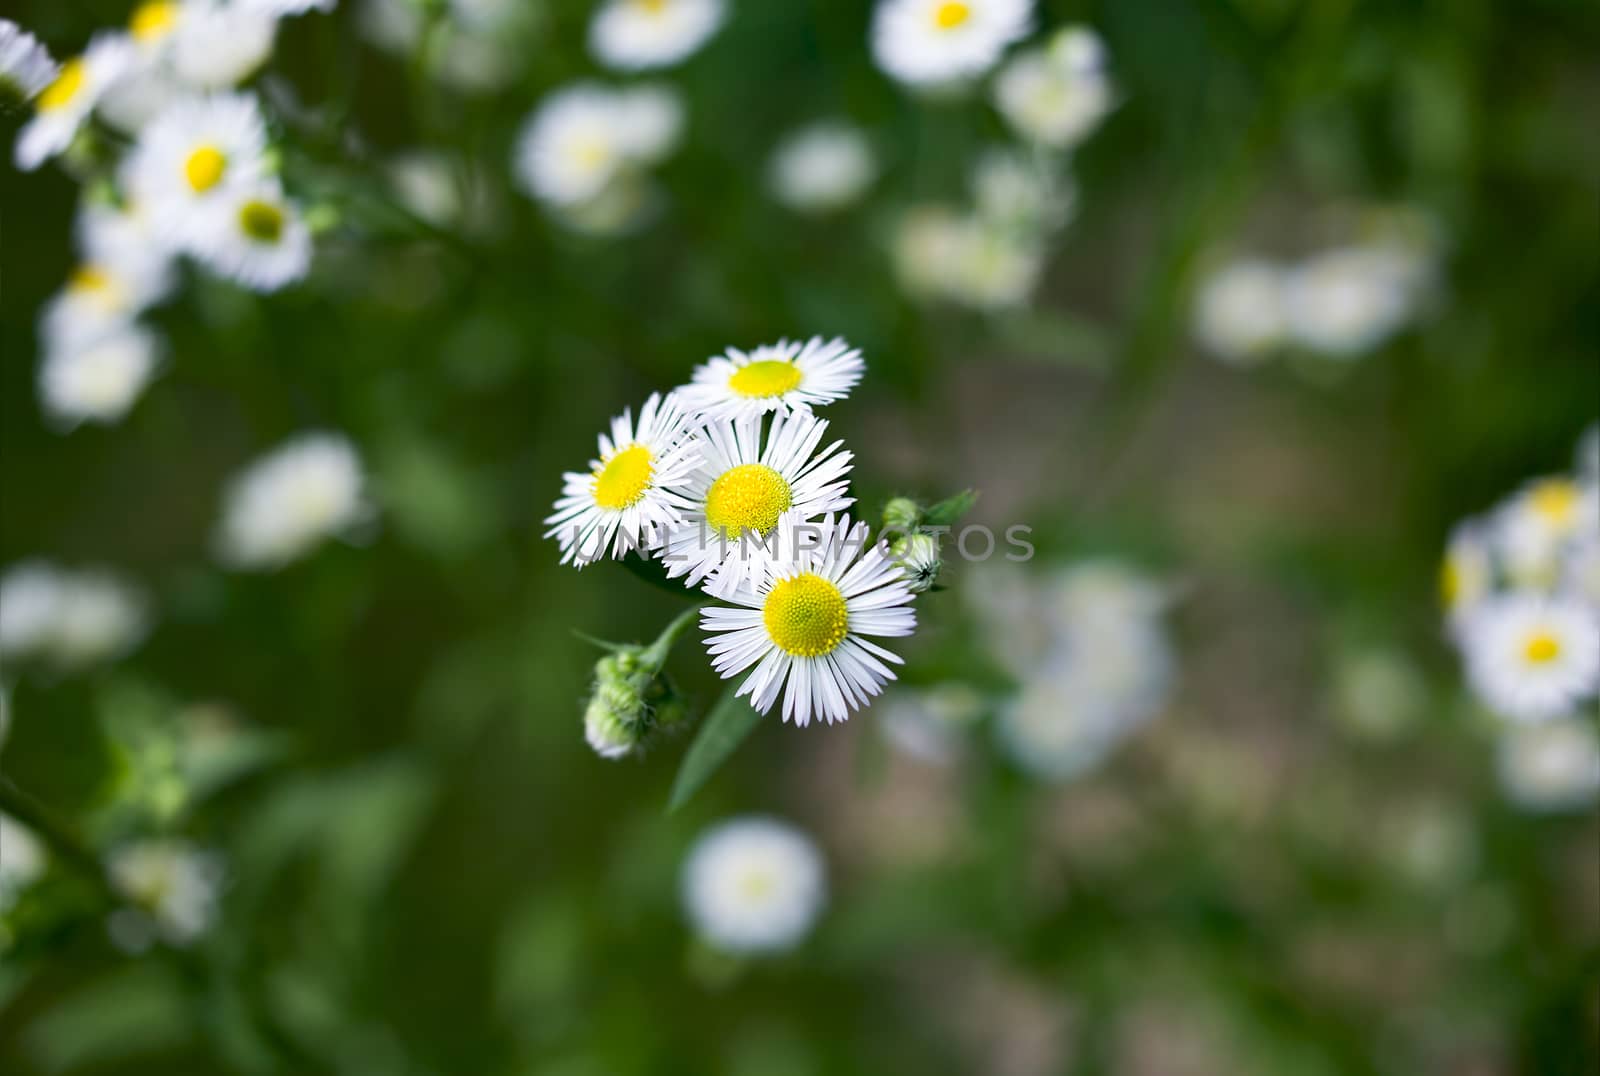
(607, 733)
(902, 515)
(918, 554)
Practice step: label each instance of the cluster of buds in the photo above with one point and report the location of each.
(634, 701)
(915, 543)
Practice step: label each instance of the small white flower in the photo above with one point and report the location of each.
(1530, 658)
(743, 487)
(1239, 313)
(633, 35)
(1534, 527)
(933, 42)
(102, 298)
(1348, 301)
(30, 596)
(25, 65)
(822, 168)
(101, 379)
(1014, 191)
(753, 885)
(1056, 730)
(307, 490)
(72, 618)
(21, 860)
(176, 884)
(1551, 766)
(1580, 576)
(63, 106)
(626, 500)
(122, 238)
(965, 259)
(192, 157)
(1466, 575)
(805, 625)
(786, 376)
(218, 46)
(255, 237)
(582, 138)
(1057, 95)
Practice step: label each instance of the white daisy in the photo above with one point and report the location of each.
(1551, 766)
(1580, 575)
(100, 298)
(218, 46)
(1531, 658)
(929, 42)
(25, 66)
(254, 236)
(1239, 312)
(753, 885)
(582, 138)
(73, 618)
(1348, 301)
(1016, 191)
(744, 485)
(786, 376)
(806, 623)
(22, 860)
(30, 597)
(309, 489)
(101, 380)
(1533, 528)
(1057, 95)
(177, 885)
(822, 168)
(193, 156)
(1466, 575)
(123, 238)
(632, 35)
(625, 501)
(61, 107)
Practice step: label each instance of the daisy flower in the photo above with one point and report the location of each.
(1529, 657)
(61, 107)
(1466, 575)
(101, 380)
(1056, 95)
(805, 626)
(30, 594)
(218, 46)
(753, 885)
(72, 617)
(25, 66)
(193, 157)
(22, 860)
(1551, 766)
(632, 35)
(1239, 311)
(930, 42)
(746, 484)
(626, 499)
(175, 884)
(582, 138)
(102, 297)
(822, 168)
(786, 377)
(1534, 527)
(254, 236)
(1348, 301)
(284, 504)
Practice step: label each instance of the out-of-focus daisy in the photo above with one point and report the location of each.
(1014, 191)
(786, 376)
(174, 883)
(626, 500)
(1580, 574)
(253, 235)
(1531, 657)
(1056, 730)
(929, 724)
(218, 46)
(753, 885)
(805, 626)
(30, 595)
(1239, 311)
(61, 107)
(582, 138)
(192, 157)
(1057, 95)
(287, 7)
(100, 298)
(632, 35)
(1534, 526)
(744, 485)
(1348, 301)
(122, 237)
(1551, 766)
(25, 66)
(931, 42)
(822, 168)
(21, 860)
(101, 379)
(1466, 575)
(309, 489)
(71, 617)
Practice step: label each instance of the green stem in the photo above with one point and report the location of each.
(655, 655)
(66, 844)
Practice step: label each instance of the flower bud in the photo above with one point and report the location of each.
(901, 514)
(606, 731)
(918, 554)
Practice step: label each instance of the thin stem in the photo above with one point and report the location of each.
(66, 844)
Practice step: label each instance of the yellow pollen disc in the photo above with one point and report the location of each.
(806, 616)
(204, 167)
(622, 482)
(769, 377)
(89, 278)
(1542, 648)
(261, 221)
(952, 13)
(152, 20)
(756, 885)
(60, 93)
(1554, 499)
(750, 497)
(654, 7)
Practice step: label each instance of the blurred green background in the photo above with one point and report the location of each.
(431, 873)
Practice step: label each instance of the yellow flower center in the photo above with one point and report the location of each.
(622, 482)
(261, 221)
(769, 377)
(89, 278)
(152, 20)
(1554, 499)
(750, 496)
(68, 82)
(806, 616)
(950, 14)
(204, 167)
(756, 885)
(654, 7)
(1542, 648)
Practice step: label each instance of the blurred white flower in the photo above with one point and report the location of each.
(192, 157)
(821, 168)
(1057, 95)
(25, 66)
(1348, 301)
(177, 885)
(1466, 575)
(217, 46)
(930, 724)
(786, 376)
(71, 618)
(101, 298)
(582, 138)
(1531, 657)
(633, 35)
(254, 236)
(936, 42)
(307, 490)
(1239, 313)
(965, 259)
(61, 107)
(287, 7)
(1016, 191)
(21, 860)
(1378, 693)
(1533, 528)
(753, 885)
(1551, 766)
(1580, 575)
(99, 380)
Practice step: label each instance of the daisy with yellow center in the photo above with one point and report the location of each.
(753, 885)
(1532, 658)
(747, 493)
(780, 377)
(805, 627)
(70, 96)
(935, 42)
(153, 21)
(1538, 524)
(585, 141)
(196, 155)
(627, 499)
(25, 66)
(636, 35)
(254, 236)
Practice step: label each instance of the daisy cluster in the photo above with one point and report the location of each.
(176, 162)
(1521, 588)
(729, 484)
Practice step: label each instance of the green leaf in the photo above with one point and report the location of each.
(724, 728)
(947, 511)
